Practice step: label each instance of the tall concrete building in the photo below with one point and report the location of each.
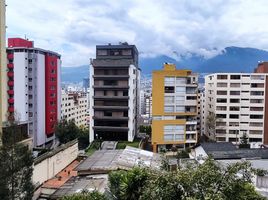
(240, 104)
(174, 108)
(114, 90)
(74, 106)
(34, 92)
(3, 104)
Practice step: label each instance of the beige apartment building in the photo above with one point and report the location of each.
(238, 101)
(74, 106)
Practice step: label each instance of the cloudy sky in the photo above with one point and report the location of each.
(168, 27)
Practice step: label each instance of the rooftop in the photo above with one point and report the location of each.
(62, 177)
(103, 161)
(83, 183)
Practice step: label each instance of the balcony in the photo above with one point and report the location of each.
(192, 122)
(107, 87)
(10, 83)
(10, 66)
(11, 100)
(110, 97)
(112, 118)
(107, 77)
(10, 56)
(10, 74)
(110, 107)
(110, 128)
(11, 109)
(10, 92)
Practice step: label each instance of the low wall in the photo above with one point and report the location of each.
(49, 164)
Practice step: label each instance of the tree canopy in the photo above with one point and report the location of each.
(67, 131)
(16, 166)
(196, 182)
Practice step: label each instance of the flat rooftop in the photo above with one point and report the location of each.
(104, 161)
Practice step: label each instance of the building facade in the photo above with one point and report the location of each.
(174, 108)
(3, 104)
(146, 103)
(239, 102)
(34, 92)
(74, 106)
(114, 90)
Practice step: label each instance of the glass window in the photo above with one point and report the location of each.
(169, 108)
(180, 89)
(169, 99)
(169, 80)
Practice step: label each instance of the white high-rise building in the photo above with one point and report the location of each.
(34, 91)
(239, 101)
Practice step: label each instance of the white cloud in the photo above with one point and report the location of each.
(74, 27)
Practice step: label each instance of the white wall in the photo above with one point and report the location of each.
(131, 112)
(39, 134)
(21, 86)
(49, 167)
(91, 103)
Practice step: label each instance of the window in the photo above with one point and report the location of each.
(221, 108)
(256, 108)
(174, 133)
(180, 90)
(221, 92)
(234, 108)
(180, 80)
(234, 100)
(257, 93)
(256, 100)
(126, 52)
(235, 77)
(221, 100)
(169, 80)
(180, 109)
(256, 116)
(110, 82)
(231, 116)
(257, 85)
(221, 84)
(169, 89)
(234, 92)
(221, 116)
(169, 109)
(169, 99)
(222, 77)
(102, 52)
(235, 85)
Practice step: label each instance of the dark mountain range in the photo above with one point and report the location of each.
(232, 59)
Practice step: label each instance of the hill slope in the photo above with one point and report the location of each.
(232, 59)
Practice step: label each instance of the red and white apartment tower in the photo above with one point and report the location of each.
(34, 91)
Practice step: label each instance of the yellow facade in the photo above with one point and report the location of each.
(3, 103)
(158, 93)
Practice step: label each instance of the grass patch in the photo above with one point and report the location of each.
(122, 144)
(95, 145)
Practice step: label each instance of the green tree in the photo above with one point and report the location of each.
(211, 125)
(67, 131)
(16, 166)
(128, 185)
(146, 129)
(86, 196)
(210, 180)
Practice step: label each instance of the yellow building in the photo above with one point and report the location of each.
(174, 108)
(3, 103)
